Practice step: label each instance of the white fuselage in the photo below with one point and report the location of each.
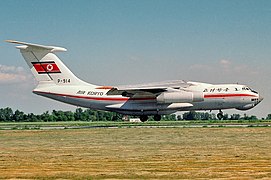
(215, 97)
(56, 81)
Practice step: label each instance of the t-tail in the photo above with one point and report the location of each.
(46, 66)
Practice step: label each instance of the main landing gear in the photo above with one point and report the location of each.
(220, 115)
(157, 117)
(144, 118)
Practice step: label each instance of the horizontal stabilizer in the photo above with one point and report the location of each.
(37, 46)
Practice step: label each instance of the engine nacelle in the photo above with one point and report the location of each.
(180, 97)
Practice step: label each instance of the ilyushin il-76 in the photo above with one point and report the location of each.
(57, 82)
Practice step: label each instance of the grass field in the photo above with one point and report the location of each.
(136, 153)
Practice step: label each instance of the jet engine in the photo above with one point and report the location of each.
(180, 97)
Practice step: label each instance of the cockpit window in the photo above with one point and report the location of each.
(255, 92)
(252, 90)
(246, 89)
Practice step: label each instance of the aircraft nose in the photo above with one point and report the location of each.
(260, 98)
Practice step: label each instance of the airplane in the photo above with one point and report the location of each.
(56, 81)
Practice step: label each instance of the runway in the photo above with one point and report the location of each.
(49, 126)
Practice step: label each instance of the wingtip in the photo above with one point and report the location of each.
(9, 41)
(13, 41)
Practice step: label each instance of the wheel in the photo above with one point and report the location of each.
(143, 118)
(157, 117)
(220, 116)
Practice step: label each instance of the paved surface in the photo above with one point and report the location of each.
(49, 127)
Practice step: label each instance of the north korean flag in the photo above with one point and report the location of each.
(46, 67)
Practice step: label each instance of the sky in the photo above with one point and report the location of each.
(118, 42)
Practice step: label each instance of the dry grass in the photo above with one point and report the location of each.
(139, 153)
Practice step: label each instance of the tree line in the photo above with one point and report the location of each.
(8, 115)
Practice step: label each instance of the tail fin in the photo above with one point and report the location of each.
(45, 65)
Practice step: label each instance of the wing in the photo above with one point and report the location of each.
(148, 90)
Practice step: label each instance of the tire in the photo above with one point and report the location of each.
(157, 117)
(220, 116)
(143, 118)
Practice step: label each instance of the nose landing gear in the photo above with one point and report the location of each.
(220, 115)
